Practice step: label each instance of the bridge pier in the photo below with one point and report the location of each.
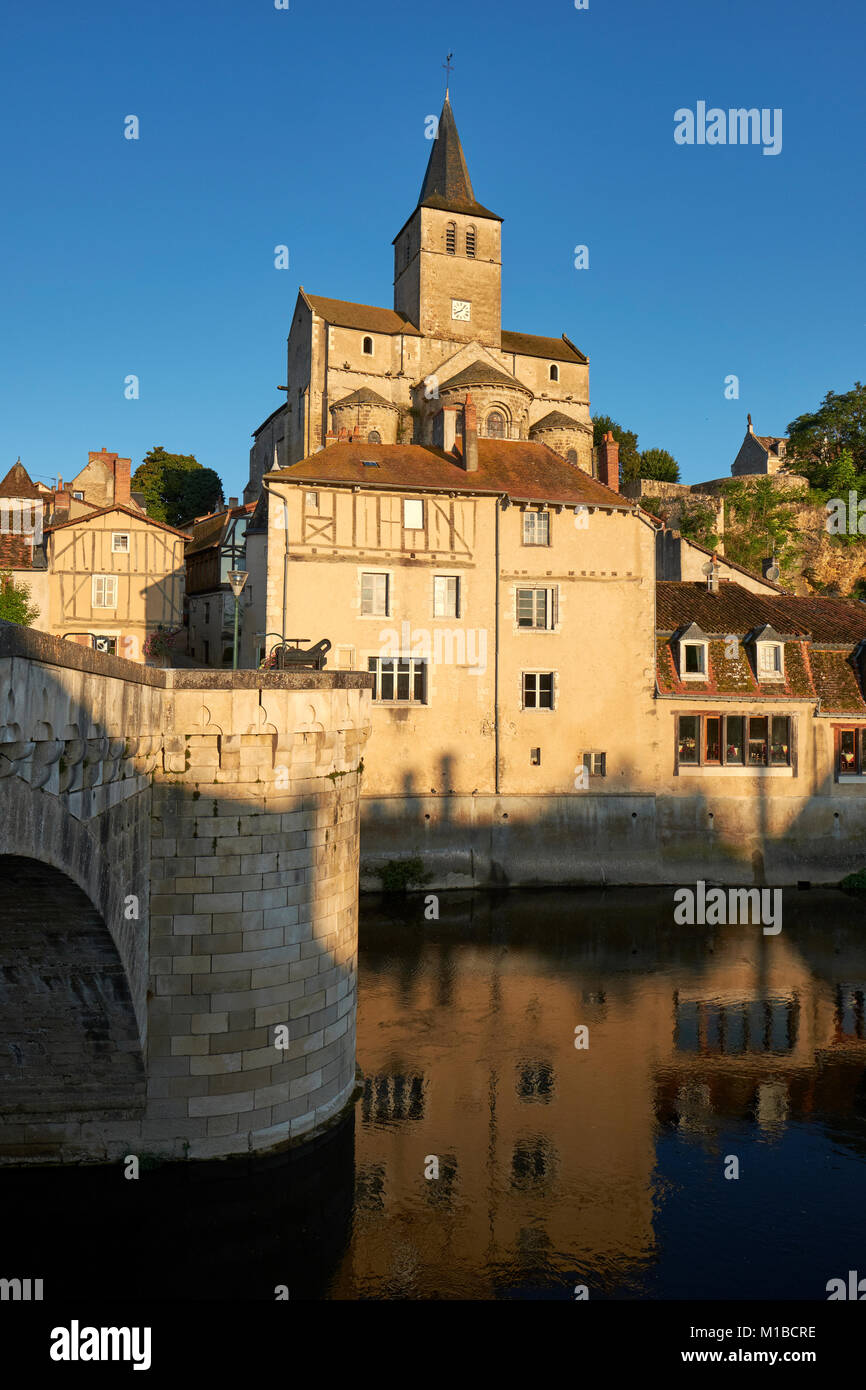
(238, 904)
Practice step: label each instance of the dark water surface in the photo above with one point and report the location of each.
(557, 1166)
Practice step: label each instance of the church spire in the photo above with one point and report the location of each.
(446, 183)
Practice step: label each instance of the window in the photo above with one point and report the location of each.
(495, 426)
(446, 596)
(536, 528)
(451, 238)
(367, 347)
(79, 496)
(771, 661)
(554, 372)
(734, 740)
(413, 514)
(207, 612)
(538, 690)
(312, 499)
(399, 678)
(470, 241)
(120, 543)
(370, 463)
(571, 457)
(850, 752)
(595, 764)
(374, 437)
(694, 660)
(535, 757)
(536, 608)
(104, 591)
(374, 595)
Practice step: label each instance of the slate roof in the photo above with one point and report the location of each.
(480, 373)
(364, 396)
(555, 420)
(531, 345)
(527, 471)
(447, 184)
(343, 313)
(821, 636)
(771, 441)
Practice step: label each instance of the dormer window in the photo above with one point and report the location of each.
(769, 654)
(554, 372)
(470, 241)
(367, 347)
(771, 666)
(694, 659)
(451, 238)
(693, 648)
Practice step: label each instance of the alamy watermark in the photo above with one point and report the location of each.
(846, 519)
(719, 907)
(444, 646)
(19, 516)
(737, 126)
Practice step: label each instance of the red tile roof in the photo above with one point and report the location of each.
(526, 471)
(735, 609)
(16, 553)
(822, 634)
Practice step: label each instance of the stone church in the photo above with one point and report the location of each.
(384, 375)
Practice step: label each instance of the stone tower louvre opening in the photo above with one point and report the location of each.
(211, 819)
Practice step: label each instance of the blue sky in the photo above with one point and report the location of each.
(305, 127)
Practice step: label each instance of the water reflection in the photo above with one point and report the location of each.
(557, 1166)
(606, 1166)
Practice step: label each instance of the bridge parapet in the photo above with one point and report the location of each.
(212, 818)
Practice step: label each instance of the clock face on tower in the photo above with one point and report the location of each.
(460, 309)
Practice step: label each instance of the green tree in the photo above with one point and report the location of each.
(629, 458)
(176, 486)
(759, 522)
(659, 465)
(817, 440)
(15, 605)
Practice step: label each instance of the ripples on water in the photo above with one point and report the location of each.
(556, 1166)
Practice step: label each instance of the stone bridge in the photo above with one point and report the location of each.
(178, 904)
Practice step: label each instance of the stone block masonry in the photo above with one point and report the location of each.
(241, 1015)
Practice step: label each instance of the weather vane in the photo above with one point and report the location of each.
(448, 71)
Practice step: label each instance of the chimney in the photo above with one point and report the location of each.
(121, 481)
(344, 435)
(712, 571)
(445, 428)
(608, 462)
(356, 433)
(59, 483)
(470, 435)
(233, 502)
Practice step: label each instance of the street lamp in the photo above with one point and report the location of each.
(237, 579)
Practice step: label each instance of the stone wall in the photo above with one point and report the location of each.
(211, 818)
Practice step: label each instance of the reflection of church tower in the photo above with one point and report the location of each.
(447, 257)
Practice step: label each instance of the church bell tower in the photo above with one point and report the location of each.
(448, 256)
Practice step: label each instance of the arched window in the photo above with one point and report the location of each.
(495, 427)
(571, 457)
(554, 372)
(367, 347)
(374, 437)
(451, 238)
(470, 241)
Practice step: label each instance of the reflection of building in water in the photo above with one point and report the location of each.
(547, 1153)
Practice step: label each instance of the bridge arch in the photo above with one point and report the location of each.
(106, 858)
(69, 1047)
